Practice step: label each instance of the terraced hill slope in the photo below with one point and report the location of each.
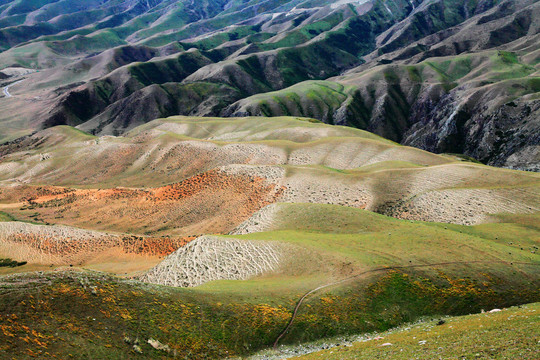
(230, 168)
(179, 178)
(445, 269)
(347, 242)
(196, 179)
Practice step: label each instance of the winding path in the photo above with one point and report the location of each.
(6, 88)
(299, 303)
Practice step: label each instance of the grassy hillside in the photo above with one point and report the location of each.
(77, 67)
(478, 69)
(294, 183)
(131, 157)
(226, 318)
(126, 233)
(400, 69)
(389, 100)
(504, 335)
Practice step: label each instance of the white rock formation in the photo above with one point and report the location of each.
(209, 258)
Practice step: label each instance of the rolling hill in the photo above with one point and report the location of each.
(240, 221)
(495, 339)
(268, 179)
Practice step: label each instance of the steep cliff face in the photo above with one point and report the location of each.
(505, 135)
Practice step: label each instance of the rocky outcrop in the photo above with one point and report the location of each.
(505, 136)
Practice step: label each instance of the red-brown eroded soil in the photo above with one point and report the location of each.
(69, 244)
(211, 202)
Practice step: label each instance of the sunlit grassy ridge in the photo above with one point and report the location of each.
(70, 308)
(363, 239)
(321, 99)
(309, 161)
(85, 314)
(261, 128)
(133, 154)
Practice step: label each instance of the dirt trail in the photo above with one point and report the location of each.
(303, 298)
(6, 89)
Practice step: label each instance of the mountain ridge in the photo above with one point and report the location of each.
(221, 58)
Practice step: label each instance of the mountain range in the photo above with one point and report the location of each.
(445, 76)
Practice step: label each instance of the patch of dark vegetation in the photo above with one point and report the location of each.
(358, 113)
(399, 297)
(11, 263)
(466, 158)
(6, 217)
(514, 30)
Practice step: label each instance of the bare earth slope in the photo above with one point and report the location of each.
(214, 164)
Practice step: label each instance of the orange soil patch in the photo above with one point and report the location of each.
(211, 202)
(25, 193)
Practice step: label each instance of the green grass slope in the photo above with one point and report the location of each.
(508, 334)
(308, 160)
(87, 314)
(355, 94)
(284, 135)
(363, 239)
